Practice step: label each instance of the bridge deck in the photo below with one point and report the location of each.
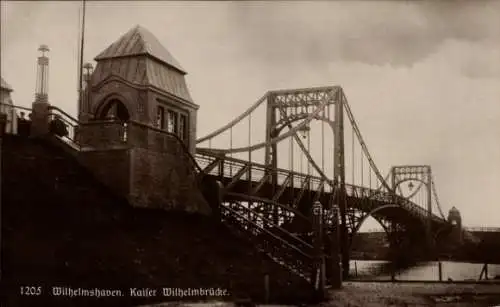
(242, 175)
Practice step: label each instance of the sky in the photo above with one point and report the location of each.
(422, 77)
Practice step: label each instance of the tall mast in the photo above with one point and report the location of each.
(80, 64)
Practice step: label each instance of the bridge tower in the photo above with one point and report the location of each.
(415, 173)
(286, 107)
(455, 219)
(136, 116)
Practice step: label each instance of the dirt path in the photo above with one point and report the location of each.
(371, 294)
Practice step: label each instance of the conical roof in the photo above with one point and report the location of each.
(5, 85)
(139, 41)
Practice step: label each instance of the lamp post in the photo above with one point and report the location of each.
(336, 265)
(319, 260)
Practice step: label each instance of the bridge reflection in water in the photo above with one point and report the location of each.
(426, 271)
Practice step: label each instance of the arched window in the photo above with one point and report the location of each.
(114, 109)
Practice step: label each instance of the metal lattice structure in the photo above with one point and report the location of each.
(283, 197)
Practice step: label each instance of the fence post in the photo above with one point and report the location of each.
(440, 270)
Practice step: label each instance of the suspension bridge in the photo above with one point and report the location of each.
(299, 186)
(262, 192)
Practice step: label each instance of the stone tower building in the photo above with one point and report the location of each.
(137, 79)
(138, 125)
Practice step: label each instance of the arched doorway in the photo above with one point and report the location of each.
(113, 109)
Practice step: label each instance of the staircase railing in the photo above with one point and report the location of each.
(64, 127)
(280, 245)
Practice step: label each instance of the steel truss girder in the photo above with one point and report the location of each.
(302, 97)
(305, 183)
(215, 163)
(283, 187)
(319, 192)
(261, 183)
(237, 177)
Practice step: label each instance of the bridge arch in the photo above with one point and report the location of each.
(400, 223)
(295, 118)
(422, 183)
(371, 214)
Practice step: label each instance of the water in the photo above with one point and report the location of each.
(368, 269)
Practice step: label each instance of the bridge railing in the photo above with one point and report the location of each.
(16, 122)
(233, 165)
(63, 126)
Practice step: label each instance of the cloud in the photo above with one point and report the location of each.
(398, 34)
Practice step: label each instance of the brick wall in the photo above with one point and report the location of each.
(161, 173)
(111, 167)
(101, 134)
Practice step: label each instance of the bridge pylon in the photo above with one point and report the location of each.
(302, 105)
(422, 175)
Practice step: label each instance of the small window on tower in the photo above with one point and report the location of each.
(160, 117)
(183, 127)
(172, 122)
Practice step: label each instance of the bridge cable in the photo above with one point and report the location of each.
(434, 191)
(249, 137)
(370, 178)
(279, 138)
(309, 150)
(353, 152)
(323, 143)
(235, 121)
(299, 142)
(231, 146)
(292, 149)
(363, 144)
(301, 162)
(250, 203)
(362, 179)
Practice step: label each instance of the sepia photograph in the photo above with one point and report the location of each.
(250, 153)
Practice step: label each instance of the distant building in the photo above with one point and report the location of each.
(6, 107)
(455, 219)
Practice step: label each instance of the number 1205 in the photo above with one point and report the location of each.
(25, 290)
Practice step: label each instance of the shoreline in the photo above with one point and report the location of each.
(424, 261)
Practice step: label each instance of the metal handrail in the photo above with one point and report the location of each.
(305, 244)
(16, 107)
(69, 121)
(284, 253)
(382, 196)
